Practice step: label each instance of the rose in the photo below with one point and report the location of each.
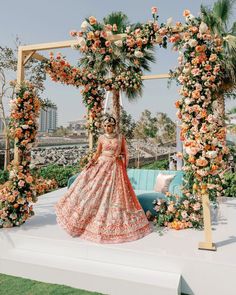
(21, 183)
(203, 28)
(92, 20)
(213, 57)
(192, 42)
(73, 33)
(196, 206)
(118, 43)
(138, 53)
(211, 154)
(25, 126)
(154, 10)
(84, 25)
(186, 13)
(184, 214)
(107, 58)
(171, 208)
(202, 162)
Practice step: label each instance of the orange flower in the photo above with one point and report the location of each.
(191, 159)
(92, 20)
(186, 12)
(196, 94)
(201, 162)
(207, 67)
(29, 179)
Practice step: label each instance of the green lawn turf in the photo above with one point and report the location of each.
(10, 285)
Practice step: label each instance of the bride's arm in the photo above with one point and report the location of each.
(124, 152)
(98, 151)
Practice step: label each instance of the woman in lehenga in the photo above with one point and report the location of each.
(101, 205)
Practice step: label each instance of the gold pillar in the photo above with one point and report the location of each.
(207, 244)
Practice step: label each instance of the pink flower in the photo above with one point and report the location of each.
(107, 58)
(108, 43)
(154, 10)
(103, 34)
(73, 33)
(184, 214)
(196, 206)
(92, 20)
(21, 183)
(213, 57)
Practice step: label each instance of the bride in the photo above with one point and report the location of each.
(101, 205)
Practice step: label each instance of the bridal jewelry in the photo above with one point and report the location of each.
(110, 135)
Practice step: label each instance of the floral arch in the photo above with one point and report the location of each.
(199, 73)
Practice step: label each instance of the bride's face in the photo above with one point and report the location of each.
(108, 128)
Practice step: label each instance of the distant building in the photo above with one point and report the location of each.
(48, 119)
(78, 127)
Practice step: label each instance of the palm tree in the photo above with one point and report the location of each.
(120, 62)
(217, 18)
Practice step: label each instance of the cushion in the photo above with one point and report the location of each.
(162, 183)
(146, 200)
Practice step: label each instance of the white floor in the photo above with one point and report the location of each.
(156, 264)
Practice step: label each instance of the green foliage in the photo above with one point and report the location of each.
(159, 127)
(157, 165)
(127, 124)
(11, 285)
(218, 18)
(4, 176)
(229, 184)
(118, 18)
(61, 174)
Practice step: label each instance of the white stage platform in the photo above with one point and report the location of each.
(166, 264)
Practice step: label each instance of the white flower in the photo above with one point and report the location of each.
(84, 25)
(138, 53)
(119, 43)
(211, 154)
(192, 42)
(187, 100)
(81, 41)
(190, 17)
(25, 126)
(203, 28)
(169, 22)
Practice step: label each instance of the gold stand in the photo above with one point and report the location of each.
(208, 244)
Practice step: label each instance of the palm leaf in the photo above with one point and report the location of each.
(118, 18)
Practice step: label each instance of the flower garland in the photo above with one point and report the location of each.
(19, 192)
(94, 86)
(202, 132)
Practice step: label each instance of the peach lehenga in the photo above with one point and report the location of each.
(101, 205)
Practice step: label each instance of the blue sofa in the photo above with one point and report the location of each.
(143, 182)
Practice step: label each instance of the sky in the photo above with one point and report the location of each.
(43, 21)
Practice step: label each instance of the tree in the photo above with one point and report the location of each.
(218, 18)
(127, 124)
(120, 61)
(230, 125)
(8, 68)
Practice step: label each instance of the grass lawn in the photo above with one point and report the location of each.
(10, 285)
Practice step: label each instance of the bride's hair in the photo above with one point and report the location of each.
(111, 120)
